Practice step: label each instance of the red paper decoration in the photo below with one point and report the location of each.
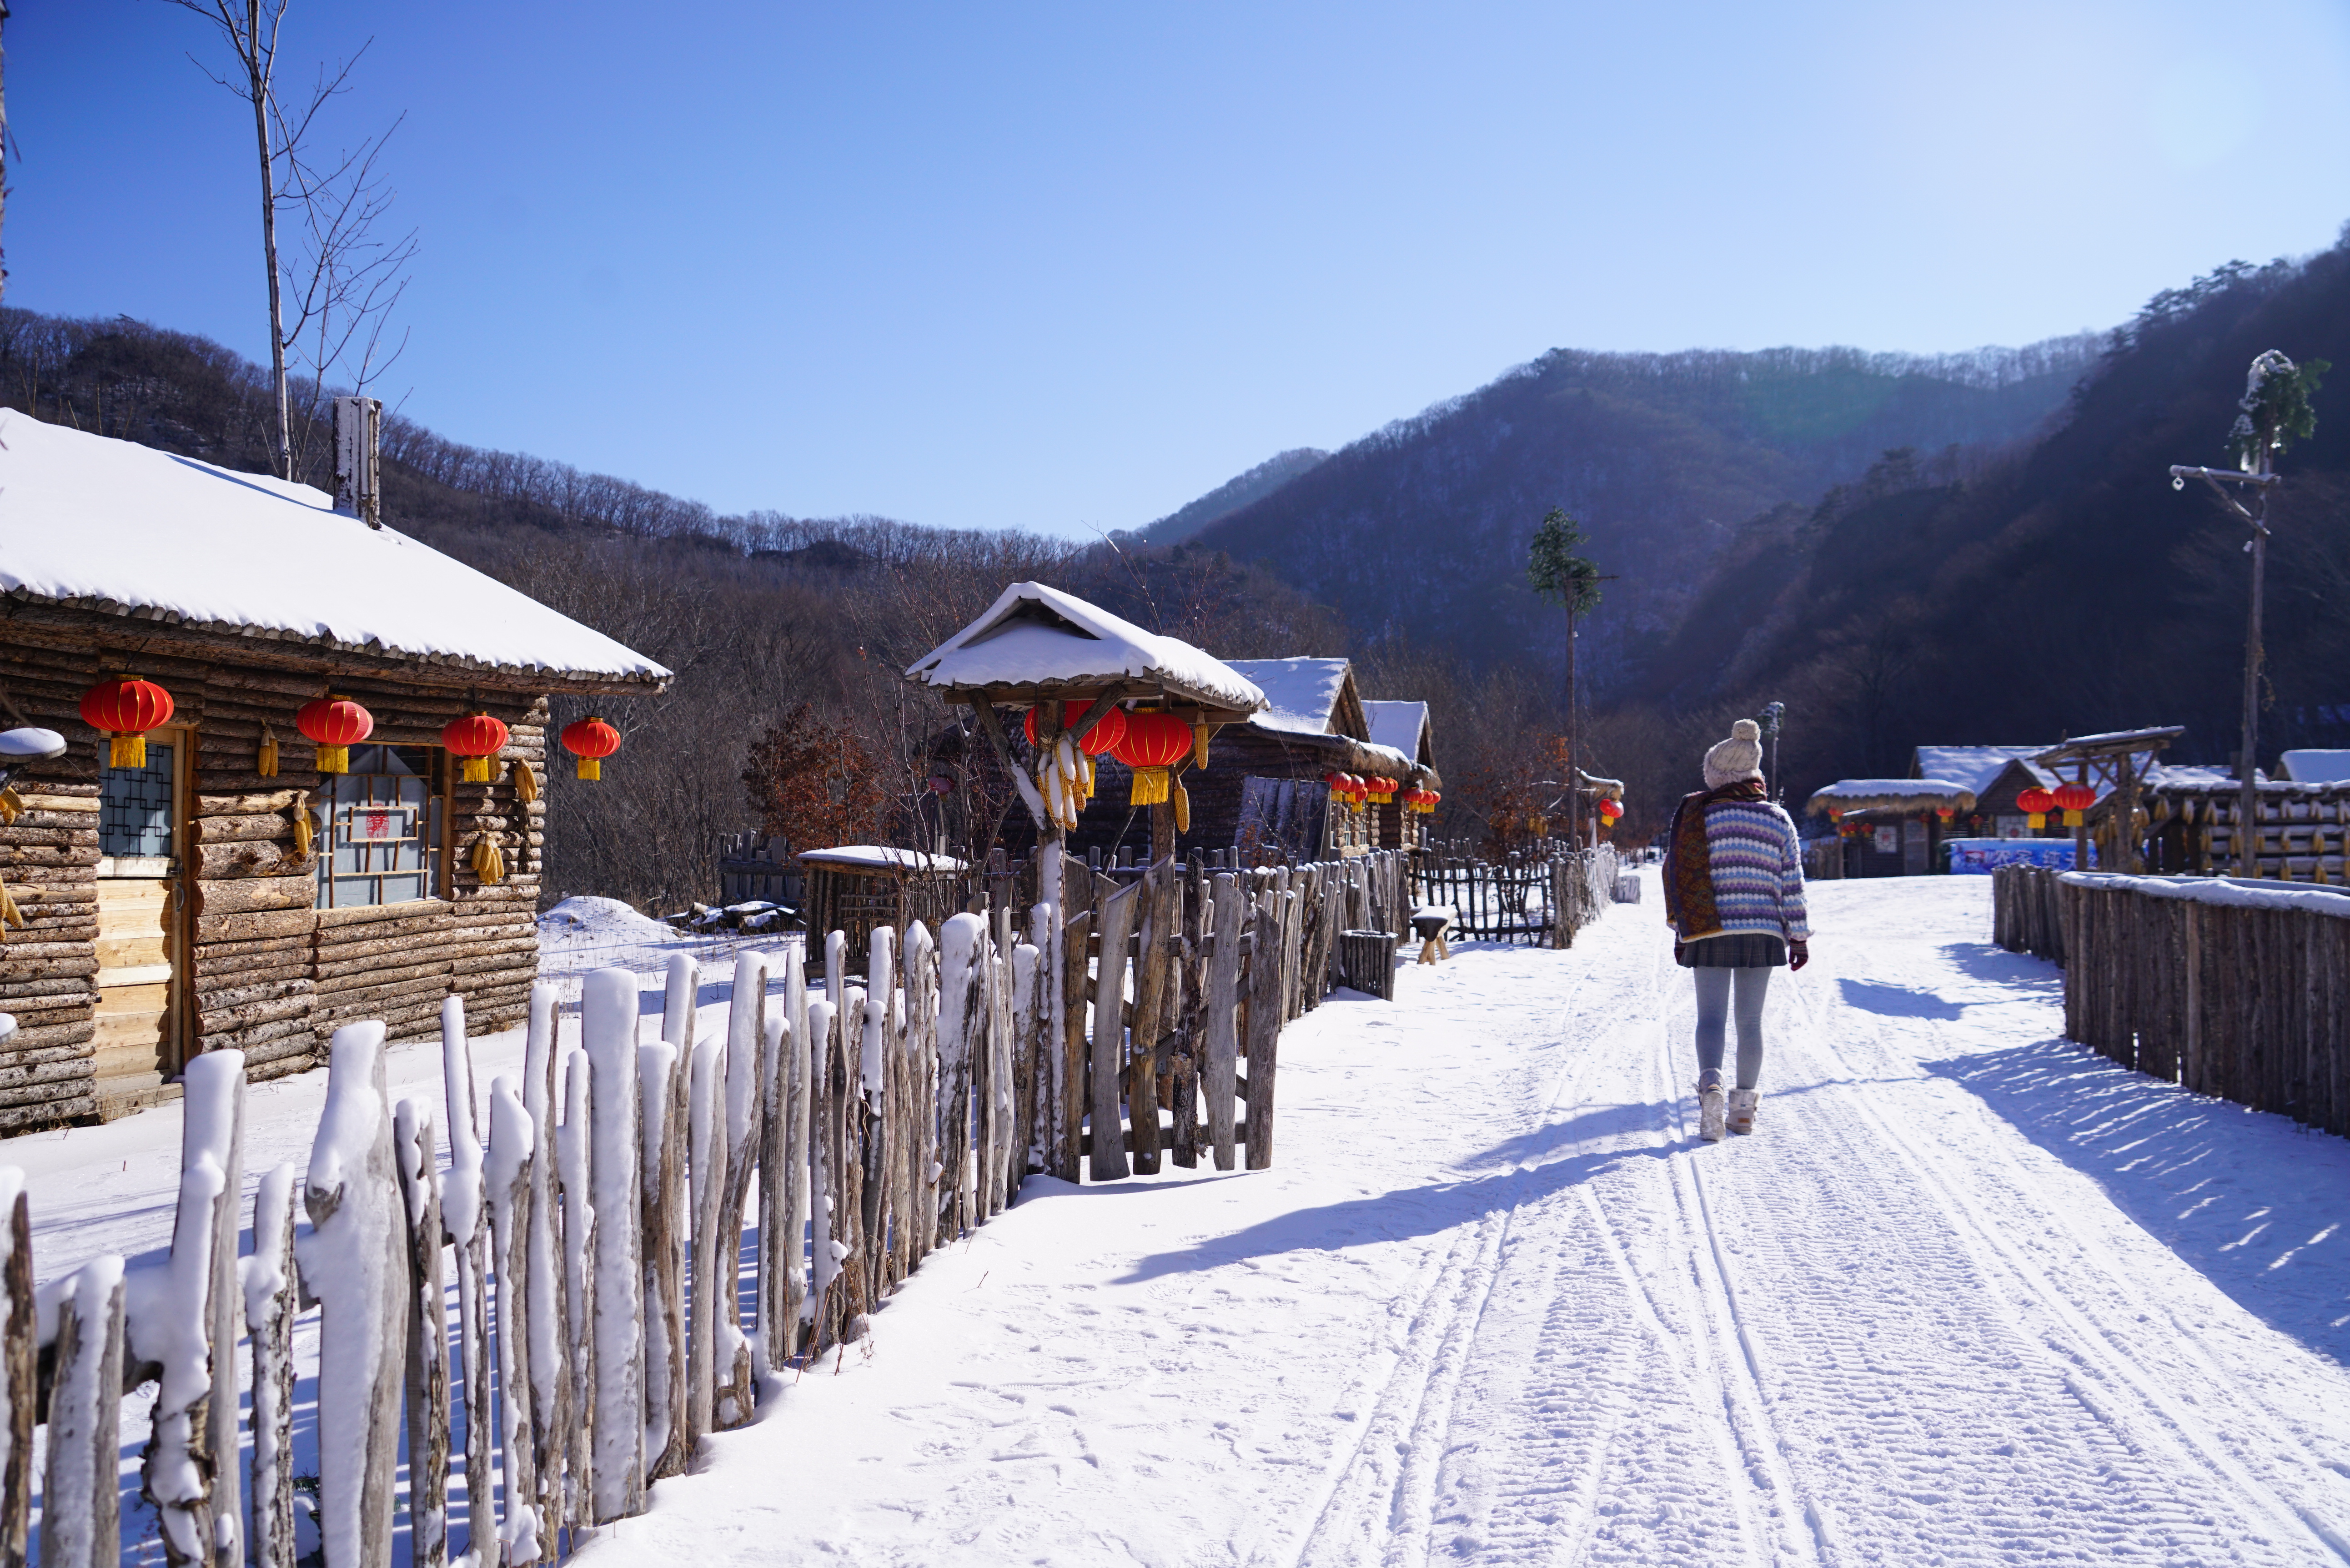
(591, 740)
(475, 738)
(334, 724)
(126, 708)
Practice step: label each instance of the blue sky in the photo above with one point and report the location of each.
(1066, 267)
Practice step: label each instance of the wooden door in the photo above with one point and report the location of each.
(140, 925)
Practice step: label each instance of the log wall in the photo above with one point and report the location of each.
(263, 969)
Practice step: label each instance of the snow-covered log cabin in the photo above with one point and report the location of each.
(216, 867)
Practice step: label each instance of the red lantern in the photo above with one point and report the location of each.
(2039, 802)
(125, 708)
(591, 740)
(1101, 739)
(1611, 809)
(1153, 743)
(1946, 813)
(476, 738)
(334, 724)
(2073, 799)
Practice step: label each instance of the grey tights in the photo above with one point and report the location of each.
(1714, 1006)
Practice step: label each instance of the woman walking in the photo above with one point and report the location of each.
(1734, 896)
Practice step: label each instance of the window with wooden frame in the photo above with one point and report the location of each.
(383, 824)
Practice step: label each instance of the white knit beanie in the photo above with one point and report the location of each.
(1739, 757)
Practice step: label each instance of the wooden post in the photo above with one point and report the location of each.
(1263, 1032)
(355, 1264)
(1219, 1074)
(550, 1376)
(1001, 1173)
(574, 1143)
(608, 1026)
(513, 1151)
(1108, 1142)
(176, 1470)
(921, 1211)
(212, 1124)
(707, 1133)
(19, 1364)
(662, 1077)
(464, 1212)
(735, 1384)
(80, 1525)
(1075, 1094)
(425, 1380)
(1151, 968)
(784, 1172)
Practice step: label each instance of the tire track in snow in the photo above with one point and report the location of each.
(2100, 1358)
(1382, 1497)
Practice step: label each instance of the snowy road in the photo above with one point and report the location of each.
(1969, 1296)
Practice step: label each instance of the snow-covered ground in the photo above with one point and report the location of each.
(1971, 1295)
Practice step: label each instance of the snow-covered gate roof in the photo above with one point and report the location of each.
(1044, 642)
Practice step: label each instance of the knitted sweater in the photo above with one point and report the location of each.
(1757, 869)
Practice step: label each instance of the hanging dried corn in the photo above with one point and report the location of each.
(304, 834)
(9, 914)
(11, 804)
(264, 759)
(1182, 808)
(525, 782)
(489, 861)
(1200, 746)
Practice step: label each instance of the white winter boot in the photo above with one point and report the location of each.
(1744, 1104)
(1709, 1107)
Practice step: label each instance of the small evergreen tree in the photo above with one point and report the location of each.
(1570, 580)
(2275, 405)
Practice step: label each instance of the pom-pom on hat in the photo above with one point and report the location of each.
(1739, 757)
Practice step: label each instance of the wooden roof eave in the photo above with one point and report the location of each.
(110, 627)
(1191, 706)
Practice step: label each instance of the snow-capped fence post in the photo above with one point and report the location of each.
(706, 1132)
(575, 1144)
(1108, 1142)
(353, 1264)
(176, 1328)
(19, 1365)
(996, 1102)
(467, 1226)
(607, 1027)
(868, 1099)
(213, 1128)
(550, 1378)
(784, 1174)
(81, 1522)
(921, 1216)
(662, 1076)
(1027, 1056)
(736, 1390)
(514, 1146)
(426, 1383)
(1220, 1073)
(824, 1250)
(846, 1124)
(1264, 1022)
(962, 1015)
(1192, 1013)
(272, 1298)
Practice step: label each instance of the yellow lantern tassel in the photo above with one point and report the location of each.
(1182, 809)
(525, 782)
(489, 861)
(1199, 745)
(2039, 819)
(2072, 819)
(477, 770)
(589, 768)
(265, 760)
(11, 804)
(1149, 787)
(126, 751)
(334, 759)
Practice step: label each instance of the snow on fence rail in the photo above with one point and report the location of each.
(594, 1236)
(2240, 990)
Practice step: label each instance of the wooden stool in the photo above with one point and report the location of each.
(1430, 930)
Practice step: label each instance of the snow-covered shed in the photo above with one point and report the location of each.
(1893, 827)
(218, 886)
(1315, 723)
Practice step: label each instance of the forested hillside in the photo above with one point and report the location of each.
(1187, 520)
(2065, 588)
(1422, 528)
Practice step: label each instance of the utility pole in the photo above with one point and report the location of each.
(2261, 480)
(1770, 719)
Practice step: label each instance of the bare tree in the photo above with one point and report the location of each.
(344, 279)
(4, 160)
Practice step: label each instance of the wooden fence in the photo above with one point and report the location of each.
(2233, 990)
(603, 1319)
(1542, 902)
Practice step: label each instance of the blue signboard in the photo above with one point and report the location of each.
(1977, 856)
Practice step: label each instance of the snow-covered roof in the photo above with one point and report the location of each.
(2171, 775)
(1301, 695)
(95, 523)
(1034, 634)
(881, 856)
(1895, 793)
(1973, 766)
(2309, 765)
(1397, 725)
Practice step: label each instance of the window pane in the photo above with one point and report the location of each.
(382, 819)
(134, 806)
